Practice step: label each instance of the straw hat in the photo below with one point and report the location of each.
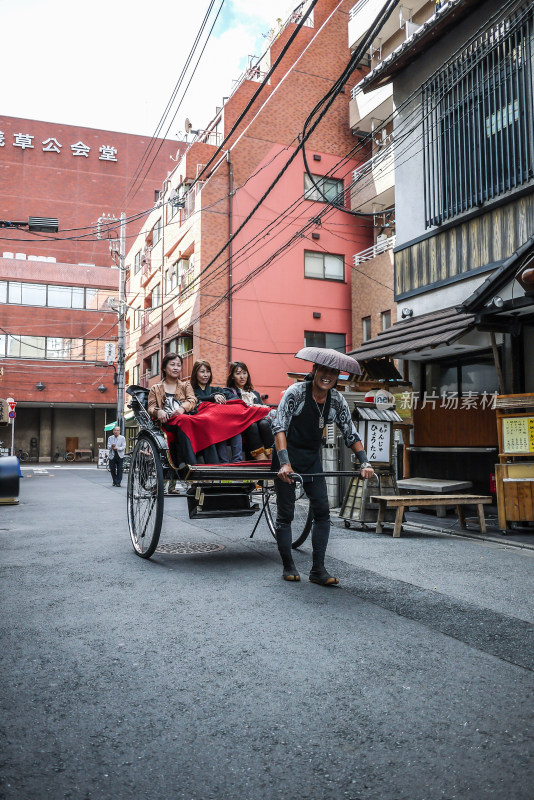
(330, 358)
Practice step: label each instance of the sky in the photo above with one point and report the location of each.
(114, 64)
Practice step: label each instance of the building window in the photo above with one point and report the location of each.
(175, 201)
(478, 121)
(137, 318)
(63, 349)
(27, 294)
(324, 266)
(137, 262)
(154, 364)
(95, 299)
(55, 348)
(461, 376)
(385, 319)
(172, 278)
(156, 232)
(156, 295)
(136, 374)
(366, 328)
(42, 294)
(66, 296)
(180, 345)
(336, 341)
(329, 190)
(24, 346)
(184, 275)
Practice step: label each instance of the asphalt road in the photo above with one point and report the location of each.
(206, 677)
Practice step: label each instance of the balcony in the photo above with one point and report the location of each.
(373, 187)
(386, 243)
(368, 110)
(363, 14)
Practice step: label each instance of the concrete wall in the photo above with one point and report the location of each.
(52, 425)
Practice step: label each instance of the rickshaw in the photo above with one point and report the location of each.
(219, 490)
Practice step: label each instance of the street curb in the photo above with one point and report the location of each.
(479, 537)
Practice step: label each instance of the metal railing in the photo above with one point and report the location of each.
(478, 114)
(380, 247)
(358, 7)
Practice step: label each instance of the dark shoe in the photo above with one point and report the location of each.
(322, 577)
(290, 572)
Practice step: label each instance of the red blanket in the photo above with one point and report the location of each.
(216, 422)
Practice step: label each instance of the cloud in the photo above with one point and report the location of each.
(115, 65)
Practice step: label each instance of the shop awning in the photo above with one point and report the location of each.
(408, 337)
(128, 415)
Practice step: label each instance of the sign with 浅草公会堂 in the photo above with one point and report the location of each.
(27, 141)
(518, 434)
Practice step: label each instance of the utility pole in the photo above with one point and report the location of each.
(119, 255)
(123, 306)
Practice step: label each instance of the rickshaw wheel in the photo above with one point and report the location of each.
(145, 497)
(303, 519)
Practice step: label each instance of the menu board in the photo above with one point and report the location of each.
(518, 434)
(377, 441)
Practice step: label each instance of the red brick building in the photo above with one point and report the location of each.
(54, 287)
(283, 283)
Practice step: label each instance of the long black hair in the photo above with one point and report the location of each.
(248, 387)
(194, 372)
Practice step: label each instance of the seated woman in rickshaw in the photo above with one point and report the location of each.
(171, 402)
(170, 399)
(201, 377)
(258, 437)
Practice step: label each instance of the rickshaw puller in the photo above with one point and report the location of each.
(298, 425)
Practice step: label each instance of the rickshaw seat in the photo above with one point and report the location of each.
(140, 393)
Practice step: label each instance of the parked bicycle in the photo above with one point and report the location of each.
(22, 455)
(68, 455)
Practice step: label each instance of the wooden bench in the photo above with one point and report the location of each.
(433, 486)
(404, 501)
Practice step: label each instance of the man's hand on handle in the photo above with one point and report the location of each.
(285, 472)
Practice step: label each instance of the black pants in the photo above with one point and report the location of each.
(257, 435)
(285, 507)
(115, 467)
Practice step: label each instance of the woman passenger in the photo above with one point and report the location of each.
(258, 437)
(172, 397)
(201, 376)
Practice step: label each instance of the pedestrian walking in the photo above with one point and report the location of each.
(298, 425)
(116, 451)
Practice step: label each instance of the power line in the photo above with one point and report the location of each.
(181, 99)
(166, 112)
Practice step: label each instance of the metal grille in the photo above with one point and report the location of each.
(478, 120)
(187, 548)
